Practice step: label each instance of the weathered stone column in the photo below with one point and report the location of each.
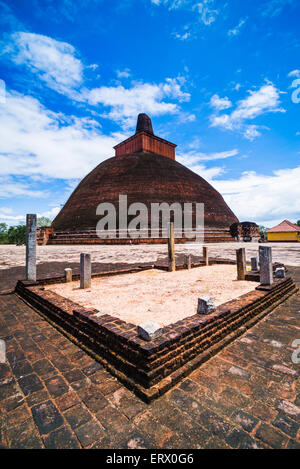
(188, 262)
(85, 270)
(280, 272)
(241, 263)
(31, 247)
(266, 268)
(68, 275)
(149, 330)
(2, 351)
(205, 255)
(205, 305)
(254, 263)
(171, 248)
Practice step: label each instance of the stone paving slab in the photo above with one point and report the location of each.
(53, 395)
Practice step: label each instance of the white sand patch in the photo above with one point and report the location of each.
(164, 297)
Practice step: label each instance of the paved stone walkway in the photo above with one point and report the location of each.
(53, 395)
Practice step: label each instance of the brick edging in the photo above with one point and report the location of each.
(151, 368)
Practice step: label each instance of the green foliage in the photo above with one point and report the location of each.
(262, 231)
(3, 228)
(297, 223)
(13, 234)
(43, 221)
(17, 234)
(3, 233)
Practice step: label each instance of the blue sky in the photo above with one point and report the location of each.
(219, 79)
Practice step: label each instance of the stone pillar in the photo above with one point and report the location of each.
(171, 248)
(205, 305)
(266, 268)
(31, 247)
(2, 351)
(85, 270)
(205, 255)
(188, 262)
(68, 275)
(149, 330)
(241, 263)
(280, 272)
(254, 263)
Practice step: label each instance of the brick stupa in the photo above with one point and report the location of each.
(143, 168)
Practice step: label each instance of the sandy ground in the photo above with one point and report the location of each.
(12, 256)
(164, 297)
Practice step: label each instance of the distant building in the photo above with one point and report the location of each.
(285, 231)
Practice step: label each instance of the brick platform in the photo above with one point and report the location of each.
(247, 396)
(89, 236)
(151, 369)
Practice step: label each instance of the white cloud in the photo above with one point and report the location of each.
(193, 157)
(37, 141)
(11, 220)
(259, 102)
(207, 12)
(265, 199)
(12, 188)
(266, 99)
(195, 143)
(261, 198)
(185, 117)
(251, 132)
(205, 9)
(183, 36)
(172, 89)
(171, 4)
(272, 8)
(207, 173)
(93, 66)
(53, 61)
(220, 103)
(56, 64)
(126, 103)
(50, 213)
(235, 31)
(124, 73)
(237, 86)
(7, 216)
(6, 210)
(294, 73)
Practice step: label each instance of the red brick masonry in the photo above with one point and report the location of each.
(146, 143)
(152, 368)
(90, 237)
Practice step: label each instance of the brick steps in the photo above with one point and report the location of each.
(89, 236)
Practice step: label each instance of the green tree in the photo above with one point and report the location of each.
(262, 231)
(3, 233)
(16, 234)
(43, 221)
(297, 223)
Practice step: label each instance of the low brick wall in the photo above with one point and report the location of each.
(151, 368)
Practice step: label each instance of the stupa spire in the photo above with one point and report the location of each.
(144, 124)
(144, 141)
